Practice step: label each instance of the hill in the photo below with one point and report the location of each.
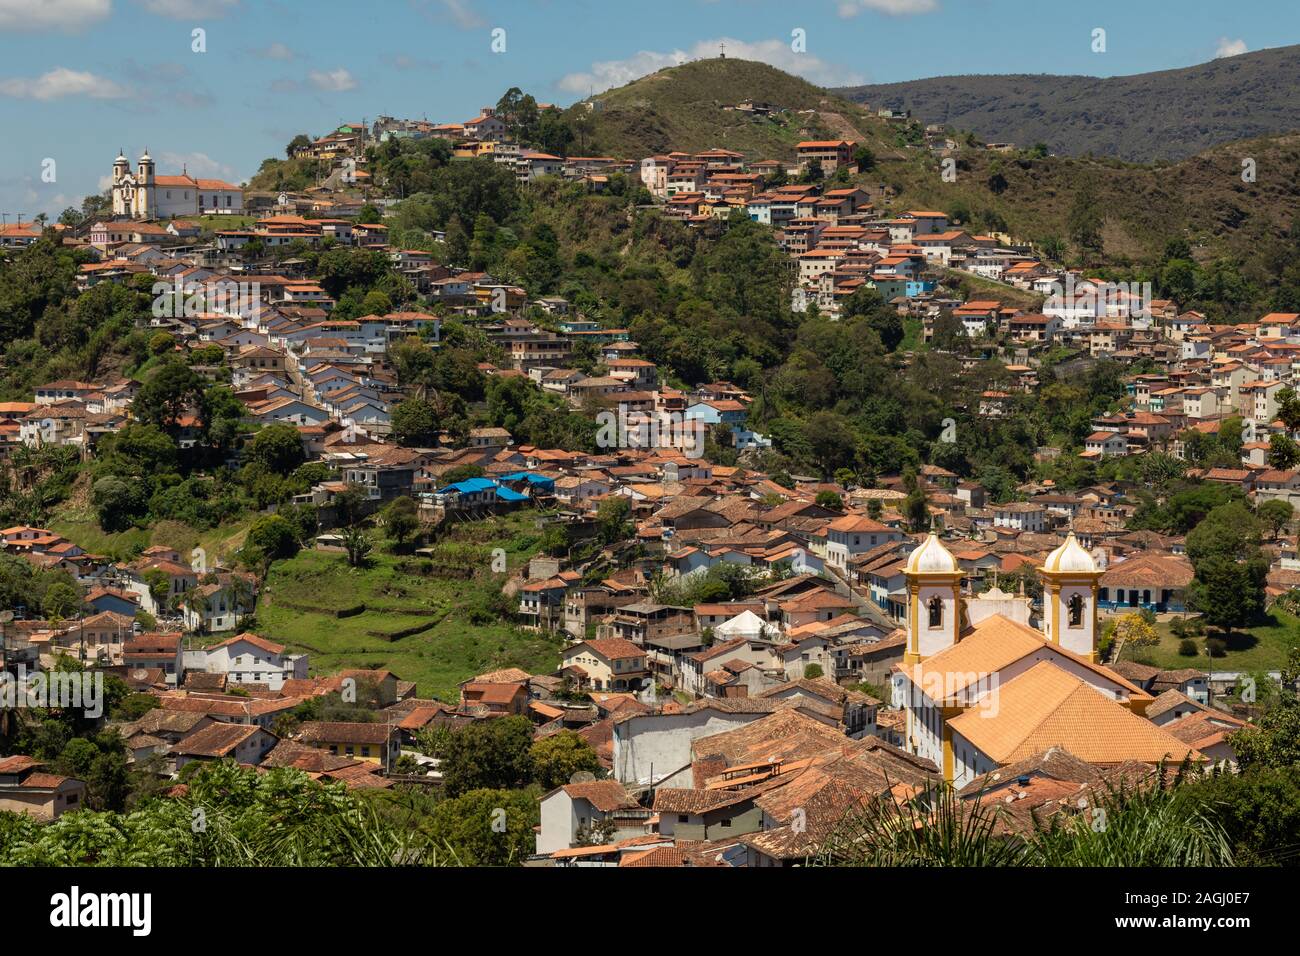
(686, 108)
(1201, 198)
(1171, 114)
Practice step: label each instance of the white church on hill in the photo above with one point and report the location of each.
(146, 195)
(978, 697)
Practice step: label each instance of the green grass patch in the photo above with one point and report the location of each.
(80, 526)
(1263, 647)
(466, 637)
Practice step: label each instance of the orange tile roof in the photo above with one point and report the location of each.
(1047, 707)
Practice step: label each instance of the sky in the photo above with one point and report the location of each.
(80, 79)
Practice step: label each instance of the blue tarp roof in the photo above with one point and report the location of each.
(469, 486)
(472, 486)
(530, 477)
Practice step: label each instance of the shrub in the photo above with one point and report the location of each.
(1187, 648)
(1216, 646)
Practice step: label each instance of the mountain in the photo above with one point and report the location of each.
(1168, 115)
(686, 108)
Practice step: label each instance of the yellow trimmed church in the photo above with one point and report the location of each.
(984, 696)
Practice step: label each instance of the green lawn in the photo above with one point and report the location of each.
(80, 527)
(222, 222)
(1260, 648)
(451, 650)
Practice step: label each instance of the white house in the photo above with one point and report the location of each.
(852, 535)
(249, 659)
(584, 811)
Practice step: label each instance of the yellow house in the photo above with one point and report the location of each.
(378, 743)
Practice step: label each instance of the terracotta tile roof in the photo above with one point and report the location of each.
(215, 740)
(989, 647)
(605, 795)
(1047, 707)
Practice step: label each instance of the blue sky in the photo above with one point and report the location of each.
(81, 78)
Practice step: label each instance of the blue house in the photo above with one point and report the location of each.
(478, 491)
(112, 599)
(1157, 582)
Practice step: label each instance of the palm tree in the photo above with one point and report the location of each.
(241, 597)
(197, 602)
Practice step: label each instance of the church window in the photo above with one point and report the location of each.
(936, 611)
(1076, 610)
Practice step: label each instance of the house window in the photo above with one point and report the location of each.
(1076, 610)
(936, 611)
(683, 818)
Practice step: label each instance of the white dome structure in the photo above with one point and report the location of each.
(1070, 558)
(932, 558)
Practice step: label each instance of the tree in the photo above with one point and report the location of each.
(241, 598)
(829, 499)
(278, 447)
(1133, 628)
(272, 537)
(916, 508)
(1230, 567)
(813, 671)
(487, 754)
(487, 827)
(117, 503)
(348, 504)
(61, 600)
(402, 519)
(415, 423)
(159, 583)
(1283, 453)
(196, 602)
(558, 757)
(867, 304)
(1276, 514)
(174, 391)
(358, 546)
(1288, 408)
(1084, 220)
(611, 518)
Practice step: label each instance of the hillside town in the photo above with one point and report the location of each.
(872, 653)
(440, 495)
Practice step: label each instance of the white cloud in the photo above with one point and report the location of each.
(32, 15)
(893, 8)
(335, 81)
(278, 51)
(460, 12)
(61, 82)
(190, 9)
(607, 74)
(1228, 47)
(198, 164)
